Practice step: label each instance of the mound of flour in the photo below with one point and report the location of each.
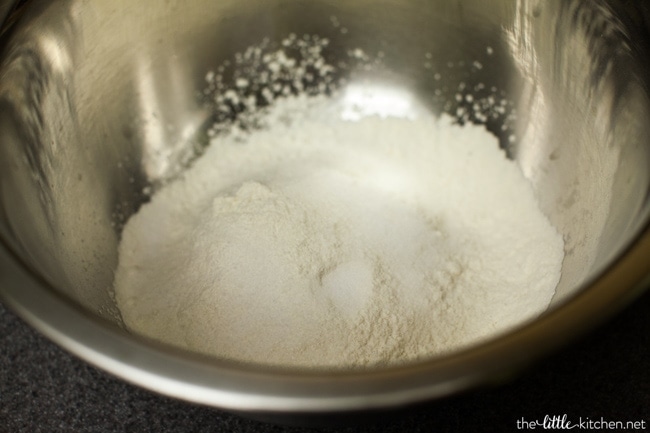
(339, 244)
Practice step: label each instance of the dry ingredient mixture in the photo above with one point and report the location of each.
(339, 243)
(346, 231)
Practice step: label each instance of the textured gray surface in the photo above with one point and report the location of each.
(43, 389)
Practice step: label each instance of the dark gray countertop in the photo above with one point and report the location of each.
(607, 374)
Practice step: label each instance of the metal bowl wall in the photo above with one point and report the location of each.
(96, 99)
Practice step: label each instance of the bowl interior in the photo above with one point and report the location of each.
(101, 102)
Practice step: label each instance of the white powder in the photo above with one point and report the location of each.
(339, 244)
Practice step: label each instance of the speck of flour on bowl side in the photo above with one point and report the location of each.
(320, 242)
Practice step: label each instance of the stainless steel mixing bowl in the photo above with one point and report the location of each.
(99, 99)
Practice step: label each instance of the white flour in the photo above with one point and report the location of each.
(339, 244)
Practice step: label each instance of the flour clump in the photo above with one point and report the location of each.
(320, 242)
